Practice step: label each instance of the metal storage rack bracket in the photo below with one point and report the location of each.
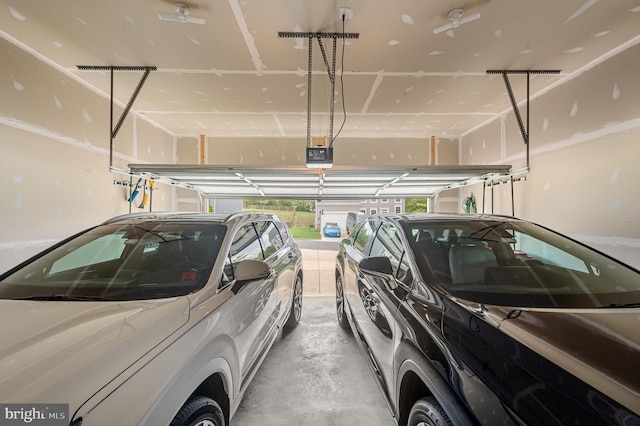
(505, 75)
(113, 131)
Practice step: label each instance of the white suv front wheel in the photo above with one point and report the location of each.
(199, 411)
(296, 304)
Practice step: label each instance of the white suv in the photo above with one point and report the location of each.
(148, 319)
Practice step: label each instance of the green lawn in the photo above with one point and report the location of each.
(307, 233)
(300, 223)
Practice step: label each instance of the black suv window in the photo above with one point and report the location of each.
(362, 239)
(514, 263)
(284, 232)
(388, 243)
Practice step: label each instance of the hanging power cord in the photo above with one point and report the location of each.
(344, 110)
(330, 69)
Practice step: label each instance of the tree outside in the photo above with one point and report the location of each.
(416, 205)
(299, 215)
(299, 205)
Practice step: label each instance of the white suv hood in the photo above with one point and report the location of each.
(64, 352)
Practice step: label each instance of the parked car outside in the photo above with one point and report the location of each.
(149, 319)
(477, 319)
(352, 219)
(331, 229)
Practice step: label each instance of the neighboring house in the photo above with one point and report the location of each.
(327, 210)
(381, 205)
(336, 210)
(219, 205)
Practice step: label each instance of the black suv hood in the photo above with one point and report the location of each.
(585, 357)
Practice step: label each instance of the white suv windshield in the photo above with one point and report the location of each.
(121, 262)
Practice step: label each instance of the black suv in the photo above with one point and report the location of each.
(475, 319)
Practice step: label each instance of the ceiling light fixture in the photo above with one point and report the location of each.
(181, 15)
(456, 18)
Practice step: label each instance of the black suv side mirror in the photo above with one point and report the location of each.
(376, 265)
(379, 267)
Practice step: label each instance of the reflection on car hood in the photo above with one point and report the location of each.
(599, 346)
(64, 352)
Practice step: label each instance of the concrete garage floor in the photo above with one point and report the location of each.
(315, 375)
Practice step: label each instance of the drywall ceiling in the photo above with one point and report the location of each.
(235, 78)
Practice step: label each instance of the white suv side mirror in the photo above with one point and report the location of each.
(249, 270)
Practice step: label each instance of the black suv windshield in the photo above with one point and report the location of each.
(516, 263)
(120, 262)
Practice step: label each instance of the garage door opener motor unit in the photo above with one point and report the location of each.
(320, 157)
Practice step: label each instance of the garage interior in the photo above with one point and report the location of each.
(532, 107)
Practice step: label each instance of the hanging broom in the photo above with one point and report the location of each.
(134, 194)
(145, 196)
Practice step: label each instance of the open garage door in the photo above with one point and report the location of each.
(339, 182)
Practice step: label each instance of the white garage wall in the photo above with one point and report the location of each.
(349, 151)
(54, 156)
(291, 152)
(585, 138)
(585, 147)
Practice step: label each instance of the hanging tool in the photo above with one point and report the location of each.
(135, 192)
(145, 196)
(151, 182)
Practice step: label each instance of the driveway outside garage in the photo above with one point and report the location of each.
(318, 266)
(315, 375)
